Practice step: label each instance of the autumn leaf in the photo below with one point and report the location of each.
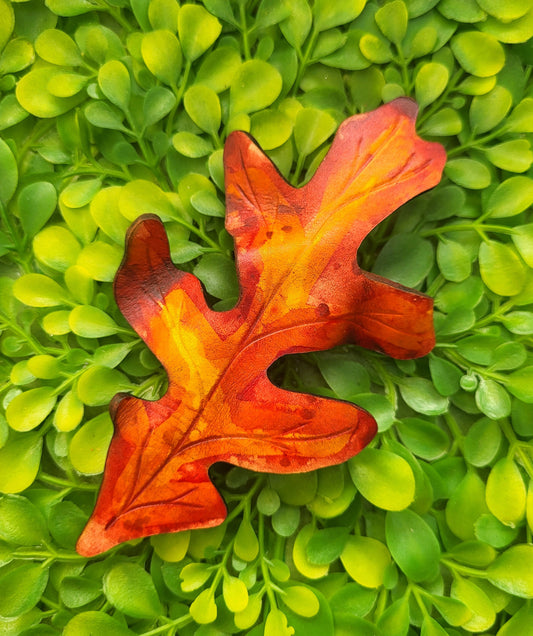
(301, 289)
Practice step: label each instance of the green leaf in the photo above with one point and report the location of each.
(56, 247)
(69, 8)
(421, 396)
(395, 619)
(140, 196)
(21, 522)
(88, 447)
(523, 239)
(468, 173)
(493, 532)
(7, 22)
(430, 627)
(325, 546)
(100, 260)
(171, 547)
(520, 623)
(487, 111)
(276, 624)
(22, 588)
(163, 14)
(423, 438)
(102, 115)
(36, 202)
(454, 611)
(514, 156)
(234, 593)
(97, 385)
(217, 273)
(520, 384)
(33, 95)
(255, 85)
(328, 15)
(161, 52)
(366, 560)
(299, 555)
(285, 520)
(115, 83)
(521, 119)
(130, 589)
(346, 377)
(392, 20)
(9, 170)
(19, 462)
(383, 477)
(206, 202)
(194, 575)
(444, 375)
(246, 545)
(203, 107)
(406, 258)
(93, 622)
(482, 442)
(466, 505)
(77, 591)
(510, 10)
(57, 47)
(301, 600)
(271, 128)
(28, 409)
(37, 290)
(453, 260)
(431, 80)
(203, 609)
(90, 322)
(478, 53)
(376, 50)
(158, 102)
(218, 68)
(191, 145)
(66, 521)
(502, 270)
(511, 197)
(492, 399)
(249, 615)
(506, 492)
(413, 545)
(512, 571)
(311, 129)
(483, 613)
(197, 30)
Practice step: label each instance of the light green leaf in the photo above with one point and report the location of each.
(130, 589)
(9, 171)
(392, 20)
(255, 85)
(469, 173)
(19, 462)
(161, 52)
(366, 560)
(487, 111)
(115, 83)
(514, 156)
(511, 197)
(197, 30)
(384, 478)
(88, 447)
(502, 270)
(431, 80)
(28, 409)
(57, 47)
(506, 492)
(512, 571)
(478, 53)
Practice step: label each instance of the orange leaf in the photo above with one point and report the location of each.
(301, 290)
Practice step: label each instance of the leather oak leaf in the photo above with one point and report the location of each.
(301, 289)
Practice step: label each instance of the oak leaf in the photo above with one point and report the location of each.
(301, 289)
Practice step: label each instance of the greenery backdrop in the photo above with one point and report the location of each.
(113, 108)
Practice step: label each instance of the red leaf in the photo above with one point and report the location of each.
(301, 290)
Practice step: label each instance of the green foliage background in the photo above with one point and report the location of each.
(113, 108)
